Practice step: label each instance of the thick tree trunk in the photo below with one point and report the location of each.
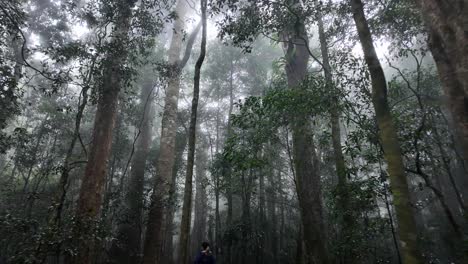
(126, 249)
(308, 184)
(389, 140)
(187, 205)
(447, 23)
(90, 198)
(164, 166)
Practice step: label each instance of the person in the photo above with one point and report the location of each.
(205, 256)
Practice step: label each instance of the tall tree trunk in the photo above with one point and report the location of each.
(340, 165)
(126, 249)
(90, 198)
(447, 23)
(201, 202)
(246, 187)
(217, 187)
(187, 205)
(168, 253)
(272, 238)
(229, 191)
(389, 139)
(164, 166)
(308, 185)
(335, 113)
(262, 217)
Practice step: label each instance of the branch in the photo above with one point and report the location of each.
(188, 48)
(23, 46)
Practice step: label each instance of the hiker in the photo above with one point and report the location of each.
(205, 256)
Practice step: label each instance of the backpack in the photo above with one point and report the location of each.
(204, 259)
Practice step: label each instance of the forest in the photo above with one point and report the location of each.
(233, 131)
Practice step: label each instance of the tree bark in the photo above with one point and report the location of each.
(164, 166)
(168, 254)
(180, 143)
(389, 139)
(261, 216)
(126, 249)
(447, 23)
(308, 184)
(201, 203)
(187, 205)
(271, 236)
(90, 198)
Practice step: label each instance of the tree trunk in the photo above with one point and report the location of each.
(164, 166)
(201, 203)
(447, 25)
(335, 113)
(444, 156)
(90, 198)
(308, 185)
(217, 189)
(168, 253)
(229, 191)
(389, 139)
(340, 165)
(126, 249)
(246, 228)
(262, 217)
(187, 205)
(272, 238)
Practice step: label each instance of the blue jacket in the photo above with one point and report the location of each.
(204, 258)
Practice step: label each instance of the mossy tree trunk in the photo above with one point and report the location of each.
(389, 139)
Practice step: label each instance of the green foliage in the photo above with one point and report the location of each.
(259, 119)
(364, 235)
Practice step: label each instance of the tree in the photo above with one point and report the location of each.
(128, 245)
(154, 232)
(446, 25)
(304, 156)
(187, 205)
(199, 229)
(389, 140)
(90, 199)
(340, 165)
